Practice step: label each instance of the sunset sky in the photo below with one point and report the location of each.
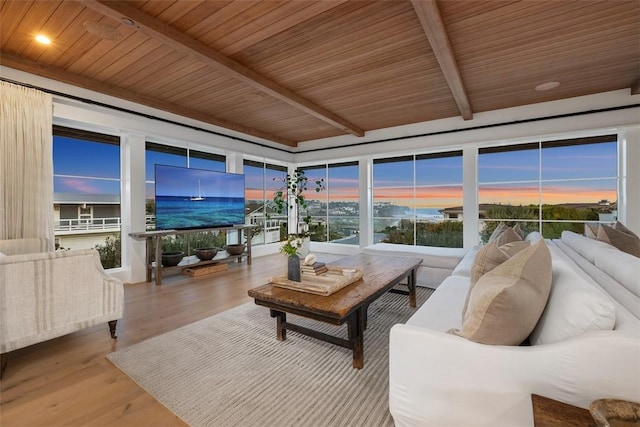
(570, 174)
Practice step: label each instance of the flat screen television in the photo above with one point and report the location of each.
(197, 198)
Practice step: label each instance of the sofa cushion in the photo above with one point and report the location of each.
(583, 245)
(623, 267)
(620, 237)
(506, 303)
(441, 311)
(575, 306)
(464, 266)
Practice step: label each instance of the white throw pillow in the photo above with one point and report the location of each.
(574, 307)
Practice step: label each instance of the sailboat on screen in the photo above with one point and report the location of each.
(199, 196)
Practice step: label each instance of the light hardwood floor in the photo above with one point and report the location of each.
(68, 381)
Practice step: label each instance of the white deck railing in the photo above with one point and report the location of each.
(84, 225)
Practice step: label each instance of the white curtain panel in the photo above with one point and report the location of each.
(26, 163)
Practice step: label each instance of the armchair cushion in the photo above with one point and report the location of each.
(45, 295)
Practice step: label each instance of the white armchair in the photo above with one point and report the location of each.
(44, 295)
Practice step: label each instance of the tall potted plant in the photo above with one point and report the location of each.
(292, 198)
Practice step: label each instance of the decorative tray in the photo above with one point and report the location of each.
(326, 284)
(615, 413)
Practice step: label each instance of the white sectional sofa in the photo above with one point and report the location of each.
(585, 346)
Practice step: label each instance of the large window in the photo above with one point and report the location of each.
(334, 211)
(417, 199)
(160, 154)
(548, 186)
(86, 180)
(261, 181)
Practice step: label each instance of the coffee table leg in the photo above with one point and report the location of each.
(356, 337)
(281, 319)
(411, 283)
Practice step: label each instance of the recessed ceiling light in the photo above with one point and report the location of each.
(127, 21)
(43, 39)
(547, 86)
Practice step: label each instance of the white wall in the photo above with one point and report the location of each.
(134, 130)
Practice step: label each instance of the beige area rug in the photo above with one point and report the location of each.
(229, 370)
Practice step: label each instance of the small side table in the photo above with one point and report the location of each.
(552, 413)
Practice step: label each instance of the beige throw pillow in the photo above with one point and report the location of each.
(507, 236)
(489, 257)
(518, 230)
(506, 303)
(591, 230)
(620, 237)
(499, 229)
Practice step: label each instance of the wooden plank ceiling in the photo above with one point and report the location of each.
(292, 71)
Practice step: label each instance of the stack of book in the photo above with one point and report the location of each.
(315, 269)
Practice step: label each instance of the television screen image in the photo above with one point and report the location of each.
(197, 198)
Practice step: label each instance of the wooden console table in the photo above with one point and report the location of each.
(150, 236)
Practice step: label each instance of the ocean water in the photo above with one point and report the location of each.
(181, 212)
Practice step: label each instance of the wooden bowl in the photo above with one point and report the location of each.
(171, 259)
(205, 254)
(236, 249)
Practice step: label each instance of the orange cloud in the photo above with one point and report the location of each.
(253, 194)
(525, 195)
(425, 197)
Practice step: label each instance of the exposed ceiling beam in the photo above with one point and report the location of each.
(433, 26)
(635, 88)
(181, 42)
(57, 74)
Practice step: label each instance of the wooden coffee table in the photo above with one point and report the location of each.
(348, 305)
